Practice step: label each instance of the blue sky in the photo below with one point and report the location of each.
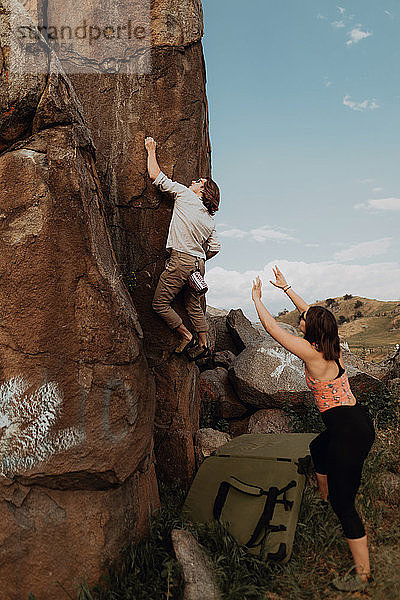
(304, 101)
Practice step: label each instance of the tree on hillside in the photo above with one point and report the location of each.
(347, 296)
(358, 304)
(330, 302)
(342, 319)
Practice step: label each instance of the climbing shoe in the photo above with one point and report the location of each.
(185, 345)
(197, 352)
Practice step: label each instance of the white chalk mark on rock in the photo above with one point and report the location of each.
(26, 421)
(287, 359)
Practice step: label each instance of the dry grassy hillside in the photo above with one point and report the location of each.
(371, 327)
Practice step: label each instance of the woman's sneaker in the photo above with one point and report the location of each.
(350, 582)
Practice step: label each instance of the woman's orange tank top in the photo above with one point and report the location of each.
(328, 394)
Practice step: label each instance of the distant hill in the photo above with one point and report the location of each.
(370, 327)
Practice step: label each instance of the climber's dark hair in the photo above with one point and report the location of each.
(322, 330)
(211, 196)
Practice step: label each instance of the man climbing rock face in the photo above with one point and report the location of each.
(191, 240)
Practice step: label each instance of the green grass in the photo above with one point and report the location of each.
(378, 333)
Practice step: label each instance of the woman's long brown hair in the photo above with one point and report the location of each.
(322, 331)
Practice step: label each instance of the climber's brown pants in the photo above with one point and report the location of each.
(172, 280)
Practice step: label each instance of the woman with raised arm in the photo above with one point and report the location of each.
(338, 452)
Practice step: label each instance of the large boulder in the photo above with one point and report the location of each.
(242, 331)
(270, 377)
(223, 337)
(77, 397)
(167, 101)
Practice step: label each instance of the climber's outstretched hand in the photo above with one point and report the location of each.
(150, 144)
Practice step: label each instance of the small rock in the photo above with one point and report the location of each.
(200, 581)
(223, 359)
(271, 420)
(207, 441)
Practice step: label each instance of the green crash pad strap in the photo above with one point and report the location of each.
(272, 496)
(268, 512)
(241, 486)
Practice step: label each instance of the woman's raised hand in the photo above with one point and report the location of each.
(256, 291)
(280, 281)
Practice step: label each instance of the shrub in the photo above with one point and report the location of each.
(347, 296)
(357, 304)
(330, 301)
(383, 407)
(342, 319)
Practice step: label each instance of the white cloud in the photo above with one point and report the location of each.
(367, 180)
(321, 17)
(356, 35)
(380, 204)
(327, 82)
(341, 9)
(338, 24)
(364, 250)
(232, 289)
(360, 106)
(388, 13)
(233, 233)
(377, 189)
(260, 234)
(266, 233)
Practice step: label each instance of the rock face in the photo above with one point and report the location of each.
(77, 397)
(169, 103)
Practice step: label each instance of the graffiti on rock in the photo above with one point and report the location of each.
(26, 421)
(287, 360)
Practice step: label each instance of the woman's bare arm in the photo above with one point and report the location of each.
(280, 282)
(294, 344)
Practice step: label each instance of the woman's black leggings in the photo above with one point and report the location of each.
(339, 452)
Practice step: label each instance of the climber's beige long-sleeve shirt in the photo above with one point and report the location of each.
(192, 226)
